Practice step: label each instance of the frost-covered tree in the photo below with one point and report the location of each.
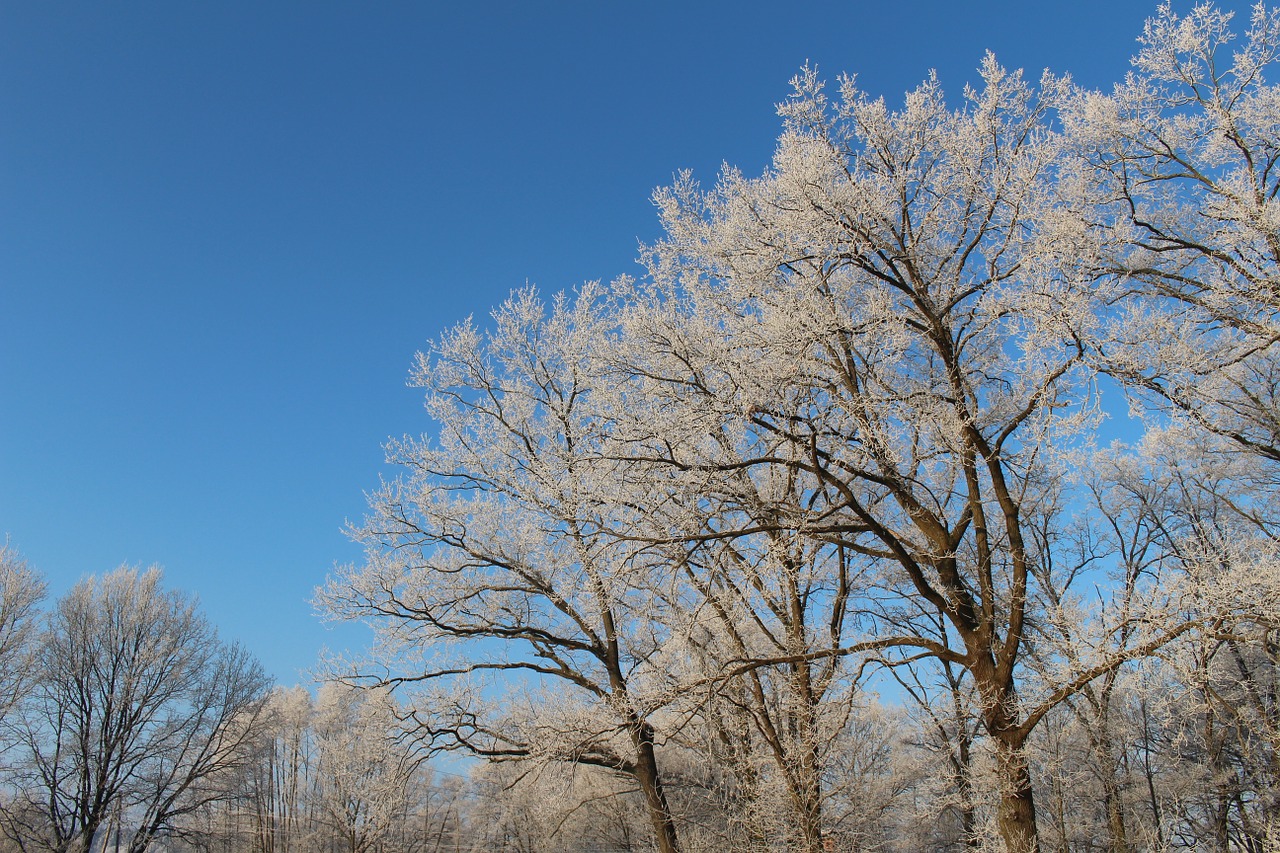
(21, 591)
(1175, 173)
(138, 713)
(844, 424)
(1223, 727)
(364, 765)
(891, 307)
(491, 558)
(740, 597)
(279, 783)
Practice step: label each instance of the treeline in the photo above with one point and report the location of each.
(129, 727)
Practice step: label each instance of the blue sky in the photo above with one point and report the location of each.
(225, 228)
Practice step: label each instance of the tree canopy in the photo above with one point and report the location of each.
(845, 425)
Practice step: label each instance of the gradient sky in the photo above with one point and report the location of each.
(225, 229)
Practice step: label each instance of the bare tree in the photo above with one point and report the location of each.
(21, 591)
(279, 781)
(364, 765)
(137, 712)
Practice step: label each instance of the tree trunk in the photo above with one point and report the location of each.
(807, 807)
(1115, 814)
(655, 797)
(1016, 815)
(1108, 772)
(960, 757)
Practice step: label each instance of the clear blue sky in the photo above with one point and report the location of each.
(225, 228)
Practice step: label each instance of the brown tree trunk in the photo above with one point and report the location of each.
(655, 797)
(806, 798)
(1016, 815)
(1115, 813)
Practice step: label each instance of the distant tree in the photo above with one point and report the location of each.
(21, 591)
(364, 765)
(137, 712)
(278, 783)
